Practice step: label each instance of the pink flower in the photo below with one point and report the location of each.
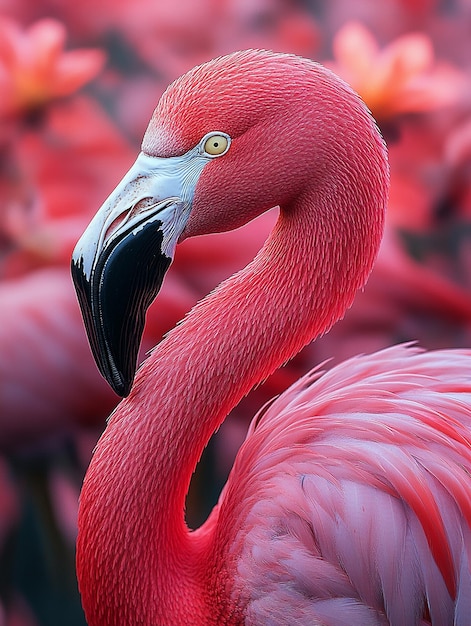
(35, 68)
(404, 77)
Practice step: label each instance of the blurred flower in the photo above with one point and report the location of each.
(171, 38)
(404, 77)
(52, 179)
(35, 68)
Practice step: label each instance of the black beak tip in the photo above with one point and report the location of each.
(114, 293)
(120, 386)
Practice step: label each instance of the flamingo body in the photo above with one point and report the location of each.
(369, 521)
(349, 502)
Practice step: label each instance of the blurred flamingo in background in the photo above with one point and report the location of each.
(349, 501)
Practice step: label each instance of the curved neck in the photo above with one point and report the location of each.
(145, 567)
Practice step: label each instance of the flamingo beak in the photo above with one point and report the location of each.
(119, 263)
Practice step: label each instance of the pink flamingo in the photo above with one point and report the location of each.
(349, 502)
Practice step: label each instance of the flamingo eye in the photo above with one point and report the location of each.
(216, 144)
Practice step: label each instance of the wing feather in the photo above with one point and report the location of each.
(353, 491)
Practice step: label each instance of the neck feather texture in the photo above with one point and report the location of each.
(137, 562)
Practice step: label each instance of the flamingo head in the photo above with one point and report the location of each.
(227, 141)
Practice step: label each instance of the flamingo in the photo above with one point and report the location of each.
(350, 500)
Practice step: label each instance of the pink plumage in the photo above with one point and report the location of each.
(349, 502)
(373, 510)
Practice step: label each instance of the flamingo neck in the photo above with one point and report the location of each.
(145, 567)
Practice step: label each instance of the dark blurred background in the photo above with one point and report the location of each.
(78, 83)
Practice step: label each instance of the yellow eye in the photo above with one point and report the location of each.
(216, 144)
